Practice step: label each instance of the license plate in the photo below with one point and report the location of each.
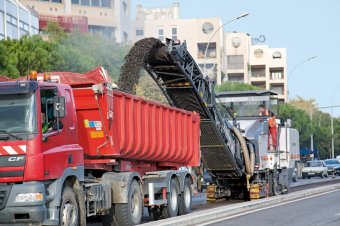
(310, 173)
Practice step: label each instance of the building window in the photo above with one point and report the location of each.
(105, 3)
(139, 32)
(207, 28)
(161, 34)
(277, 89)
(107, 31)
(85, 2)
(235, 62)
(236, 77)
(276, 73)
(260, 85)
(11, 20)
(125, 8)
(76, 2)
(95, 2)
(126, 37)
(258, 71)
(56, 1)
(211, 51)
(258, 53)
(11, 8)
(174, 33)
(277, 55)
(2, 23)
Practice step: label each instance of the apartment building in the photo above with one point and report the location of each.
(17, 20)
(107, 17)
(258, 65)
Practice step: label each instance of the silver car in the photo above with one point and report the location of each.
(333, 166)
(315, 168)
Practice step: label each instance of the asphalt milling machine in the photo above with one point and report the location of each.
(234, 147)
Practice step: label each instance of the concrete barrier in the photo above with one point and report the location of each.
(209, 215)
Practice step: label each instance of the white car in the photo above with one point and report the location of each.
(314, 169)
(338, 157)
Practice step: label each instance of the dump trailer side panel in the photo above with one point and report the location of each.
(122, 126)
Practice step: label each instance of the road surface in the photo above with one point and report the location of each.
(315, 211)
(200, 203)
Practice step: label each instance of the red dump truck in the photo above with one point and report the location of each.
(72, 146)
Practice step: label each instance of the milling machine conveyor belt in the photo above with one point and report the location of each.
(182, 82)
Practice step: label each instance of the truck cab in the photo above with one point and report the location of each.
(38, 149)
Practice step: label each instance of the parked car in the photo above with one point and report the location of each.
(338, 157)
(314, 169)
(333, 165)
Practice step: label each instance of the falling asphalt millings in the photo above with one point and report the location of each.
(134, 61)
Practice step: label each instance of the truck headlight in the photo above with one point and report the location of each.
(29, 197)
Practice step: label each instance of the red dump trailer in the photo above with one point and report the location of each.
(75, 149)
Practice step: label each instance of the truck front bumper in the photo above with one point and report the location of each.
(22, 212)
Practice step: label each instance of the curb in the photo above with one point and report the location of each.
(206, 216)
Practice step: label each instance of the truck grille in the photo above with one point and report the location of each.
(4, 193)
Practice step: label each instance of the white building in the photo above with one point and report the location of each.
(108, 17)
(17, 20)
(164, 23)
(258, 65)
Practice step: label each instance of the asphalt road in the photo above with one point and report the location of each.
(200, 203)
(321, 210)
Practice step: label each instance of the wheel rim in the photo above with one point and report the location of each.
(187, 197)
(135, 205)
(174, 197)
(70, 214)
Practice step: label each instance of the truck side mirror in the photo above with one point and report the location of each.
(58, 107)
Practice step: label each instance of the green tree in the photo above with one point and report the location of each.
(27, 53)
(83, 52)
(300, 121)
(234, 86)
(148, 88)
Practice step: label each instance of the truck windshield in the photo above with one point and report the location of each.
(247, 106)
(18, 113)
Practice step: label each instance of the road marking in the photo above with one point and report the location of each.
(264, 208)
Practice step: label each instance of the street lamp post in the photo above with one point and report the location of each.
(332, 126)
(213, 35)
(296, 67)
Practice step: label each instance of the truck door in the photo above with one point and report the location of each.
(53, 139)
(70, 119)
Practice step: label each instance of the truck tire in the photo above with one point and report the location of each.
(108, 220)
(69, 209)
(171, 210)
(130, 213)
(186, 198)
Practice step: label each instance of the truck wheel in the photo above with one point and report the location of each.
(69, 209)
(130, 213)
(108, 220)
(186, 198)
(171, 209)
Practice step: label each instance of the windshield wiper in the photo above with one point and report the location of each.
(10, 134)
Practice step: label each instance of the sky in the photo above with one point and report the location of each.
(305, 27)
